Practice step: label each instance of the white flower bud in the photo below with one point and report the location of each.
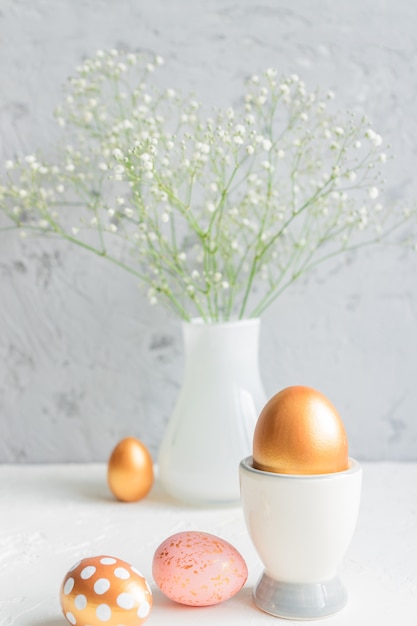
(117, 153)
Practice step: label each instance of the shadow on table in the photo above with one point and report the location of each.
(51, 621)
(158, 496)
(163, 607)
(236, 607)
(92, 486)
(78, 488)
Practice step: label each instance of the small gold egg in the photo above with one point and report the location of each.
(299, 431)
(130, 473)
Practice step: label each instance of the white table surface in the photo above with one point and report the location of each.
(53, 515)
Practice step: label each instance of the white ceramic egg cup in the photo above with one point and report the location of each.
(301, 527)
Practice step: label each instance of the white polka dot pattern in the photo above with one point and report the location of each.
(144, 609)
(105, 591)
(121, 572)
(101, 586)
(80, 601)
(88, 572)
(125, 601)
(68, 586)
(103, 612)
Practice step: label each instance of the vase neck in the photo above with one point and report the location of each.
(227, 341)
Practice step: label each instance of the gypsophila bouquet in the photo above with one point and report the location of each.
(215, 212)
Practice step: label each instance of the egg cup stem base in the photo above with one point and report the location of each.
(302, 601)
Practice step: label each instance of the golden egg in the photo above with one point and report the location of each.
(130, 470)
(299, 431)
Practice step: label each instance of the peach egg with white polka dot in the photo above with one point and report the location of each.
(105, 591)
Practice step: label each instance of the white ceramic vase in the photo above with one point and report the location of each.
(212, 425)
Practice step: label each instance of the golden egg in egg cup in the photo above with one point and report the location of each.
(301, 526)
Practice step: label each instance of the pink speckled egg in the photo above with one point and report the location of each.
(198, 569)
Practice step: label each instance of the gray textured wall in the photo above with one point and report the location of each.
(84, 360)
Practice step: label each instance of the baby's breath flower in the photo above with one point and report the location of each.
(375, 139)
(208, 229)
(117, 153)
(271, 72)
